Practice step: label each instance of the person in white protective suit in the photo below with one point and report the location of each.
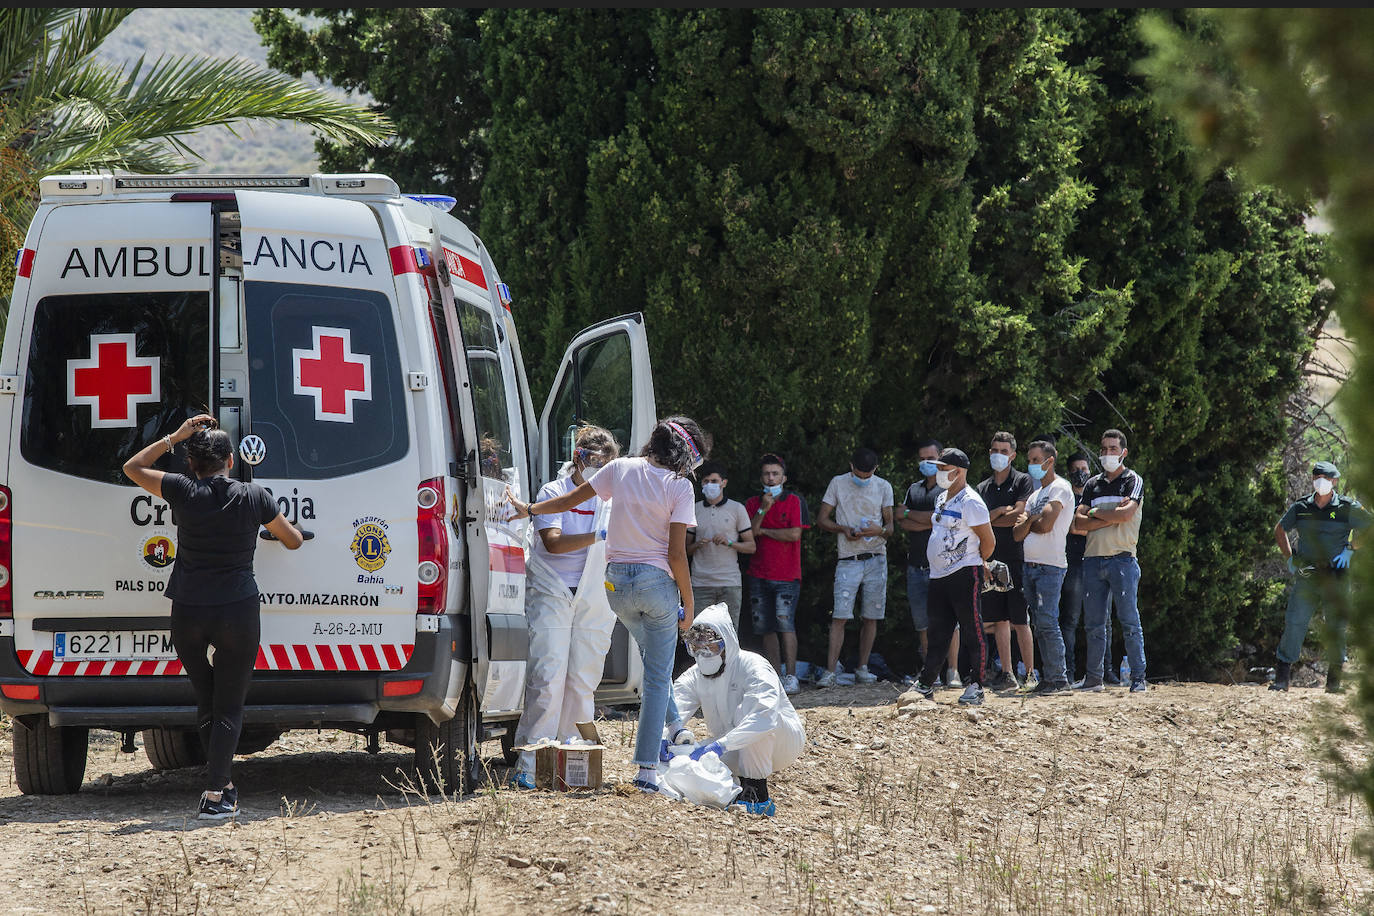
(753, 726)
(569, 618)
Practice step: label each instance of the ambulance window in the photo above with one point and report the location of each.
(495, 457)
(599, 389)
(324, 380)
(109, 373)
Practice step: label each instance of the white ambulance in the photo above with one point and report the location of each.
(360, 346)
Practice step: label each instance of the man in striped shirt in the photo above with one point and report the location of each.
(1110, 514)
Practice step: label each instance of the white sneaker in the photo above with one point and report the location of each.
(952, 678)
(790, 685)
(825, 679)
(862, 675)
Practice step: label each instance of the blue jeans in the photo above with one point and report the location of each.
(1108, 582)
(645, 598)
(1071, 613)
(917, 594)
(1042, 585)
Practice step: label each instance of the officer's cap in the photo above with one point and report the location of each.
(1325, 469)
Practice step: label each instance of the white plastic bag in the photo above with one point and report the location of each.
(707, 781)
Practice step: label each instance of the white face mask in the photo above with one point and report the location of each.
(710, 664)
(1109, 462)
(999, 461)
(944, 479)
(1322, 485)
(710, 490)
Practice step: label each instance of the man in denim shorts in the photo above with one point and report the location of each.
(861, 505)
(777, 518)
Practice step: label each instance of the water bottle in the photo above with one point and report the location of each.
(1125, 669)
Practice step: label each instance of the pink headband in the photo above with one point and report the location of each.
(696, 453)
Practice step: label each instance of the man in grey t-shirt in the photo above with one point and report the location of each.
(723, 532)
(857, 509)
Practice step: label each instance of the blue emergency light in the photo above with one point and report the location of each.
(437, 201)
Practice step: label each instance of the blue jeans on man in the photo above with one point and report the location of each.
(1041, 583)
(1112, 582)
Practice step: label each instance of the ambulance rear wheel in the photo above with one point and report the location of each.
(48, 760)
(172, 748)
(446, 754)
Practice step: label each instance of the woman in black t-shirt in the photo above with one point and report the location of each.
(214, 595)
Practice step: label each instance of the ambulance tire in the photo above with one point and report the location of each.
(446, 754)
(172, 748)
(49, 760)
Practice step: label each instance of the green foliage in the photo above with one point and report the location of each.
(1285, 94)
(870, 226)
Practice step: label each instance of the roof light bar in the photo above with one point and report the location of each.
(174, 182)
(438, 201)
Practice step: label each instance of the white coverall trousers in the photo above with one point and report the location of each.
(569, 638)
(766, 756)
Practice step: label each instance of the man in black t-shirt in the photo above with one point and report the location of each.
(1005, 494)
(914, 518)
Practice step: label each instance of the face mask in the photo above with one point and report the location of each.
(999, 461)
(944, 479)
(1079, 478)
(1036, 471)
(861, 481)
(1322, 486)
(711, 491)
(710, 665)
(1109, 462)
(928, 469)
(774, 492)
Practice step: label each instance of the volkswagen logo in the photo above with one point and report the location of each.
(253, 449)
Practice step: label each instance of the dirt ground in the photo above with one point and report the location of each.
(1188, 799)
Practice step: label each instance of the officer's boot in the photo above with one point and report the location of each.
(1333, 680)
(1281, 677)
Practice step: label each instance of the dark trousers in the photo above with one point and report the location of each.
(1070, 613)
(954, 600)
(222, 686)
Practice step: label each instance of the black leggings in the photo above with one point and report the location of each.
(955, 601)
(221, 687)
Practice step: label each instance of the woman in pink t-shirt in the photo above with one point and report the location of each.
(647, 577)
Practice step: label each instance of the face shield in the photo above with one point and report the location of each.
(707, 647)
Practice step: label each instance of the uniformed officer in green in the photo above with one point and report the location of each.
(1325, 522)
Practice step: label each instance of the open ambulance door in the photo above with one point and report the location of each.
(606, 380)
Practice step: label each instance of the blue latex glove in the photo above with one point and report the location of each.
(713, 748)
(1293, 565)
(1342, 559)
(663, 755)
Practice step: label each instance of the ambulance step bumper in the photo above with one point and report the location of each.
(146, 716)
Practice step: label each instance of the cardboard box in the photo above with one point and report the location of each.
(569, 767)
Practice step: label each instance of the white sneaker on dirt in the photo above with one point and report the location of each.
(952, 678)
(862, 675)
(825, 679)
(790, 685)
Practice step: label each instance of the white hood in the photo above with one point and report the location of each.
(746, 702)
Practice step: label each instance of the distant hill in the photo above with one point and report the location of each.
(217, 32)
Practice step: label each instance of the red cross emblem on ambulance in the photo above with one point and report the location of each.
(113, 381)
(332, 374)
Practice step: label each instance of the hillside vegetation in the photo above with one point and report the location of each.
(217, 32)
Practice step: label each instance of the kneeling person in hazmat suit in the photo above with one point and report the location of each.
(754, 728)
(569, 619)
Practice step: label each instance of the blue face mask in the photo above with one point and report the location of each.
(1036, 471)
(928, 468)
(999, 461)
(774, 492)
(861, 481)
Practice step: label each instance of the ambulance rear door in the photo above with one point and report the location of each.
(494, 458)
(605, 379)
(115, 349)
(327, 429)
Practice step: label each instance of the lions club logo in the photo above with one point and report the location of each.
(370, 546)
(159, 550)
